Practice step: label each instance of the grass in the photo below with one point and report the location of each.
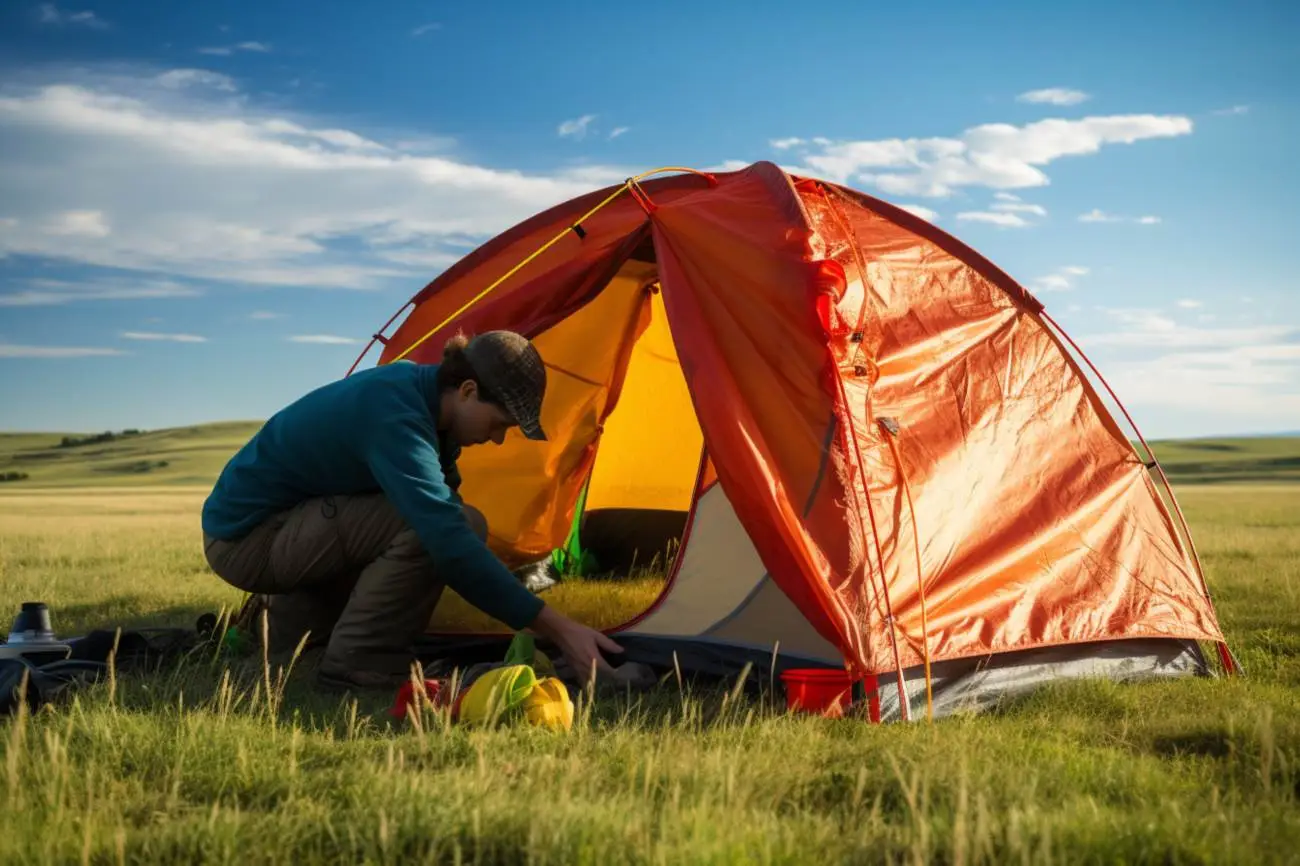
(210, 762)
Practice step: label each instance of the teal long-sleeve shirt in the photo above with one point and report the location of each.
(373, 431)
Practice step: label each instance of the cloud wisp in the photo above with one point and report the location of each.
(1246, 372)
(153, 336)
(1096, 215)
(19, 350)
(323, 339)
(40, 292)
(1054, 96)
(237, 48)
(51, 15)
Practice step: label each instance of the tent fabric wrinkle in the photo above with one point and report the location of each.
(880, 446)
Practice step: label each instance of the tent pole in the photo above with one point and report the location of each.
(377, 336)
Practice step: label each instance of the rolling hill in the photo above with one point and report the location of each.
(175, 456)
(195, 455)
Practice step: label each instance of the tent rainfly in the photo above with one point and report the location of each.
(884, 453)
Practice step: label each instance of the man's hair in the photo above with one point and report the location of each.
(455, 370)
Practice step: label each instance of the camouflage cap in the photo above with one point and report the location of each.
(510, 367)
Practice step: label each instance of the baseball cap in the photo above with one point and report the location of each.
(510, 367)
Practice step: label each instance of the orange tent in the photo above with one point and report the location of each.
(888, 454)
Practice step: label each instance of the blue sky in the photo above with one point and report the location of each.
(206, 209)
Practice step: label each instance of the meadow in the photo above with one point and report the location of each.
(222, 761)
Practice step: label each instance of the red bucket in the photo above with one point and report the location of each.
(818, 690)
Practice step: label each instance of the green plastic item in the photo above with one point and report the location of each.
(571, 560)
(236, 641)
(522, 649)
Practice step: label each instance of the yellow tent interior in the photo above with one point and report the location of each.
(648, 447)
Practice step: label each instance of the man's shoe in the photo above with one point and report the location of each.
(249, 617)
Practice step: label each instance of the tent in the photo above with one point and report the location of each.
(885, 454)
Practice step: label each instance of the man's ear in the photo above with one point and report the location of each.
(467, 389)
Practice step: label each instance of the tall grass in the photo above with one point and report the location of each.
(218, 761)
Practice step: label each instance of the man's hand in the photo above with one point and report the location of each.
(580, 644)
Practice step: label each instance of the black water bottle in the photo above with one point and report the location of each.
(32, 625)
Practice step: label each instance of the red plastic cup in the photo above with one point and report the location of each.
(818, 690)
(406, 696)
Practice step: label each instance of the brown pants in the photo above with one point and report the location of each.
(348, 570)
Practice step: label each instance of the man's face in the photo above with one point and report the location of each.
(477, 422)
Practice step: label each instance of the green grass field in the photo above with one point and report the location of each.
(206, 763)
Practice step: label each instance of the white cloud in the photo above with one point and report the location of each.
(48, 13)
(1019, 207)
(323, 339)
(227, 50)
(1096, 215)
(192, 182)
(1060, 280)
(12, 350)
(576, 128)
(1005, 220)
(786, 143)
(1239, 377)
(1006, 196)
(996, 155)
(1052, 283)
(79, 223)
(43, 292)
(923, 212)
(1140, 326)
(264, 315)
(426, 28)
(181, 78)
(1188, 304)
(1054, 96)
(1234, 110)
(163, 338)
(617, 131)
(727, 165)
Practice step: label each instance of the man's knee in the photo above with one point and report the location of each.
(477, 521)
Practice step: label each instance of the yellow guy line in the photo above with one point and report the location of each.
(508, 274)
(624, 187)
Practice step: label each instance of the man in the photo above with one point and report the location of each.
(343, 514)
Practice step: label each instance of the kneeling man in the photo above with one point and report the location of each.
(342, 516)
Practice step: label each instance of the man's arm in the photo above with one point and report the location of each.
(401, 455)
